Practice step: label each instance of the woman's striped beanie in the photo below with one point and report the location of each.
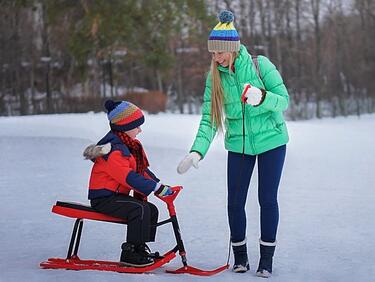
(123, 115)
(224, 36)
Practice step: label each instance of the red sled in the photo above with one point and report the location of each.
(81, 212)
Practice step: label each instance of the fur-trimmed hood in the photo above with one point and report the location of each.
(110, 142)
(94, 151)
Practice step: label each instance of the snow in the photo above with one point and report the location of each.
(326, 200)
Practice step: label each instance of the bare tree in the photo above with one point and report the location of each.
(315, 8)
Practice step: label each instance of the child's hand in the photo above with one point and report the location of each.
(163, 191)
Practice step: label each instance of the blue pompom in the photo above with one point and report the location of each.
(110, 105)
(226, 16)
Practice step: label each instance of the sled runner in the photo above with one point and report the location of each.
(81, 212)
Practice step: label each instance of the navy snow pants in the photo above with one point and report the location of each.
(141, 216)
(240, 168)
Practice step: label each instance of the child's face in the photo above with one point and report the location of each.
(134, 132)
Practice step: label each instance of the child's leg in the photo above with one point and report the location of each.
(154, 220)
(139, 215)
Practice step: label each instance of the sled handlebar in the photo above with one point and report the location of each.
(170, 199)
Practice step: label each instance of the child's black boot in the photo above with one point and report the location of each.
(131, 256)
(267, 251)
(241, 262)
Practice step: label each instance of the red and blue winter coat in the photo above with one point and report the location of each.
(115, 172)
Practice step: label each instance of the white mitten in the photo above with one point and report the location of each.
(191, 159)
(253, 95)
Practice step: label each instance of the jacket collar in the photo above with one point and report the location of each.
(116, 144)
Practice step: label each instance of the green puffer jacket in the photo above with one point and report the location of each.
(265, 127)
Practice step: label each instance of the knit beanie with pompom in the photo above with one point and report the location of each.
(224, 36)
(123, 115)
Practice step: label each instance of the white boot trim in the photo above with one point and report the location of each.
(263, 273)
(236, 244)
(268, 244)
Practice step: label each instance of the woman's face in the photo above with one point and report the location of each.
(134, 132)
(222, 58)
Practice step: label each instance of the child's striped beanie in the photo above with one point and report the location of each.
(123, 115)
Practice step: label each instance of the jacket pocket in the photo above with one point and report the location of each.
(278, 121)
(233, 128)
(264, 123)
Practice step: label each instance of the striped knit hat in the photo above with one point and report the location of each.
(123, 116)
(224, 37)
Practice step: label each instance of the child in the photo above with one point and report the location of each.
(121, 166)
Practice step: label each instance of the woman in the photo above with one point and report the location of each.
(254, 130)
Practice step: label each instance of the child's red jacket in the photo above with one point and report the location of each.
(115, 172)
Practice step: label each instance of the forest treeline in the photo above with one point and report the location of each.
(69, 55)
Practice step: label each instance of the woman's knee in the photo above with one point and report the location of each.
(267, 198)
(268, 203)
(235, 208)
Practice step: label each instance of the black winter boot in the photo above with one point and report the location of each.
(144, 250)
(241, 262)
(265, 263)
(130, 256)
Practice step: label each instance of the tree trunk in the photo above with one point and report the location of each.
(252, 19)
(46, 58)
(263, 30)
(159, 80)
(315, 6)
(279, 14)
(180, 88)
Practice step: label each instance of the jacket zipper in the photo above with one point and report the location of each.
(252, 147)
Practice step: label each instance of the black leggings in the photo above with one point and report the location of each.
(141, 216)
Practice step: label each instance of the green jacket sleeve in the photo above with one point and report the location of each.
(277, 98)
(206, 131)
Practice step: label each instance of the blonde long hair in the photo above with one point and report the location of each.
(217, 92)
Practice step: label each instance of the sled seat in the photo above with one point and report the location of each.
(82, 211)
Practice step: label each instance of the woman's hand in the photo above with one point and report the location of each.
(253, 95)
(191, 159)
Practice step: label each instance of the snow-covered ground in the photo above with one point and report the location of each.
(326, 198)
